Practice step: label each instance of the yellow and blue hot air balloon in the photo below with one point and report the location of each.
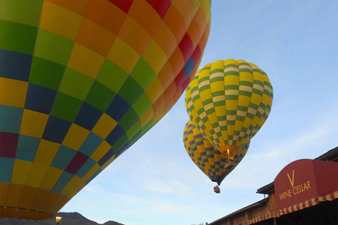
(211, 161)
(228, 101)
(81, 81)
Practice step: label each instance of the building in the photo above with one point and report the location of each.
(305, 192)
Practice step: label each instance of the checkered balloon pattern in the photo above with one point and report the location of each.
(228, 101)
(80, 82)
(211, 161)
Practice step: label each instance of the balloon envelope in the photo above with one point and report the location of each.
(229, 100)
(80, 81)
(215, 164)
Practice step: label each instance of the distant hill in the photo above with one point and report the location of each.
(78, 219)
(67, 219)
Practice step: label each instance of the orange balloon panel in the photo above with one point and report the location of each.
(80, 82)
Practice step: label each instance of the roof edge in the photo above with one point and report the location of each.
(259, 203)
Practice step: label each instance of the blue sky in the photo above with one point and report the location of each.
(296, 43)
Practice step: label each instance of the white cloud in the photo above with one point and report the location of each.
(132, 204)
(171, 187)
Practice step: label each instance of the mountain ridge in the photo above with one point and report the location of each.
(68, 218)
(75, 218)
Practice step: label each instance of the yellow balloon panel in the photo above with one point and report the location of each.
(215, 164)
(22, 201)
(229, 100)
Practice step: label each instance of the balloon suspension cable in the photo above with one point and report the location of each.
(217, 189)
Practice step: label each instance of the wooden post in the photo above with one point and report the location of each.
(274, 221)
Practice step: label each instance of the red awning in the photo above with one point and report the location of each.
(305, 183)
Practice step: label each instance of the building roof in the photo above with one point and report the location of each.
(331, 155)
(266, 189)
(233, 214)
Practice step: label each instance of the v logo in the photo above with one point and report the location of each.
(292, 178)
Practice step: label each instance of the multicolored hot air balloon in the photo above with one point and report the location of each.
(81, 81)
(228, 101)
(212, 162)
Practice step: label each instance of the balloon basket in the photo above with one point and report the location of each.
(217, 190)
